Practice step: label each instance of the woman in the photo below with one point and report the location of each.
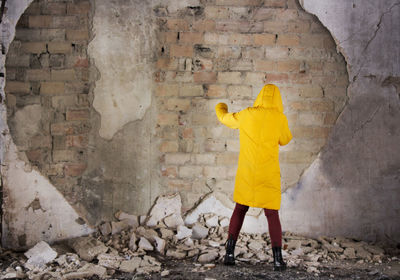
(263, 128)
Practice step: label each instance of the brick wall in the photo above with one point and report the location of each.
(47, 65)
(226, 50)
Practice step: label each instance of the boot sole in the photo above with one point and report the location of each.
(280, 268)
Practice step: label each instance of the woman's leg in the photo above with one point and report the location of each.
(237, 220)
(275, 232)
(274, 227)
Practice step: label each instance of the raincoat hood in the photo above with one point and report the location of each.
(269, 97)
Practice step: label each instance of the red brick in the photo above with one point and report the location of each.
(170, 171)
(205, 77)
(264, 39)
(178, 24)
(75, 169)
(167, 90)
(187, 133)
(240, 39)
(40, 21)
(178, 50)
(191, 38)
(77, 115)
(167, 119)
(81, 62)
(283, 78)
(78, 141)
(34, 155)
(264, 65)
(204, 25)
(288, 66)
(167, 63)
(288, 40)
(169, 147)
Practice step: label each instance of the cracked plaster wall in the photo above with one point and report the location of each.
(353, 188)
(33, 209)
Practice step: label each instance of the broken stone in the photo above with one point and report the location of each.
(189, 242)
(293, 244)
(193, 252)
(199, 231)
(88, 270)
(117, 227)
(130, 265)
(145, 244)
(362, 253)
(164, 273)
(39, 255)
(224, 222)
(208, 257)
(375, 250)
(350, 253)
(173, 221)
(149, 234)
(110, 261)
(255, 245)
(213, 243)
(164, 206)
(160, 244)
(142, 220)
(176, 254)
(166, 233)
(131, 220)
(87, 247)
(212, 221)
(105, 228)
(132, 242)
(183, 232)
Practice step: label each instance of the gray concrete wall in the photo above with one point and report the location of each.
(353, 188)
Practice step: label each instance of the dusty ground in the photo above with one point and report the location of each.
(337, 270)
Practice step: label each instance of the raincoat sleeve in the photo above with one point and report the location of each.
(286, 135)
(231, 120)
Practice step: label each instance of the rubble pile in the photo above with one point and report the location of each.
(139, 244)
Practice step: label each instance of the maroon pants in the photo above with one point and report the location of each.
(274, 225)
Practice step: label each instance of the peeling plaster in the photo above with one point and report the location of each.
(123, 48)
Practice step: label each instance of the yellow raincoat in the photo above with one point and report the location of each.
(263, 128)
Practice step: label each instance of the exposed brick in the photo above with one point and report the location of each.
(205, 77)
(59, 47)
(178, 50)
(280, 78)
(232, 145)
(215, 91)
(167, 63)
(17, 87)
(169, 171)
(169, 37)
(188, 133)
(179, 185)
(190, 171)
(264, 65)
(167, 119)
(287, 14)
(57, 8)
(240, 26)
(296, 156)
(321, 132)
(264, 39)
(40, 21)
(77, 35)
(204, 159)
(312, 41)
(229, 51)
(37, 74)
(241, 91)
(178, 104)
(169, 147)
(52, 88)
(275, 26)
(288, 40)
(229, 78)
(33, 47)
(18, 61)
(178, 24)
(240, 65)
(288, 66)
(227, 159)
(182, 76)
(263, 14)
(69, 128)
(64, 155)
(203, 64)
(214, 145)
(299, 26)
(204, 25)
(255, 78)
(275, 3)
(216, 39)
(82, 7)
(310, 92)
(75, 169)
(191, 90)
(33, 9)
(253, 53)
(191, 38)
(34, 155)
(240, 39)
(213, 12)
(65, 22)
(63, 75)
(301, 78)
(81, 62)
(77, 115)
(78, 141)
(215, 172)
(167, 90)
(177, 159)
(276, 53)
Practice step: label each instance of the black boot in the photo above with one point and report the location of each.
(230, 252)
(279, 264)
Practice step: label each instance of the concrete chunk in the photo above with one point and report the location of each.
(39, 255)
(183, 232)
(87, 247)
(164, 206)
